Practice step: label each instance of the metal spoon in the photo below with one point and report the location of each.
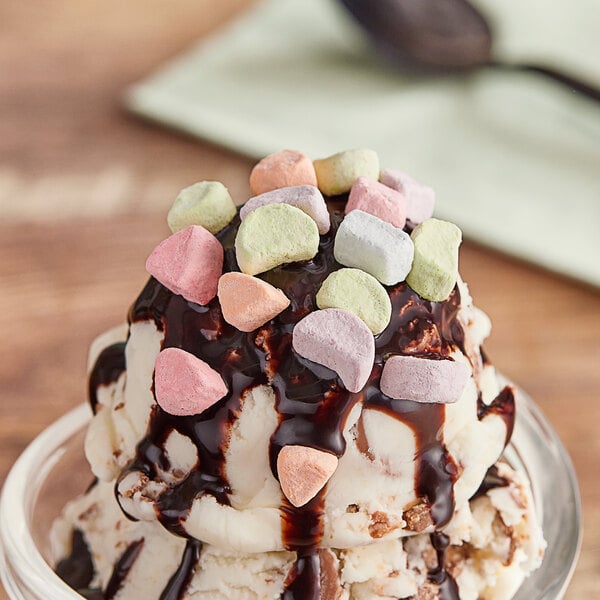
(441, 36)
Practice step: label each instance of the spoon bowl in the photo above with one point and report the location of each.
(432, 35)
(442, 36)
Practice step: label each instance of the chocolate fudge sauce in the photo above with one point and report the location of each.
(181, 578)
(77, 569)
(122, 568)
(502, 405)
(439, 575)
(311, 400)
(107, 369)
(491, 481)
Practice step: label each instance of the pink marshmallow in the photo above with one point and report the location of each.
(305, 197)
(188, 263)
(185, 385)
(248, 302)
(424, 380)
(420, 199)
(378, 200)
(339, 340)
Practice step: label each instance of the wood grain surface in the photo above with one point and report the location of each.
(84, 189)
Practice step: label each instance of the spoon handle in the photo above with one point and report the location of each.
(576, 85)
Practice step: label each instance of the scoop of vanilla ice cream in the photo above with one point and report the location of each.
(243, 467)
(365, 500)
(494, 544)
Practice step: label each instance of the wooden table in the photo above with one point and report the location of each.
(84, 189)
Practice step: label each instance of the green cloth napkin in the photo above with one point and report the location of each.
(514, 158)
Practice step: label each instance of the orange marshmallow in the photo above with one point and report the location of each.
(303, 472)
(282, 169)
(248, 302)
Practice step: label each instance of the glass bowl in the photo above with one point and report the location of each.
(53, 470)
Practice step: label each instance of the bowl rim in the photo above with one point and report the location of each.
(537, 418)
(21, 561)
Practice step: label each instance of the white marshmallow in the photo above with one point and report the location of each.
(368, 243)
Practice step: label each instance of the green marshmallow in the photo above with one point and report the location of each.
(274, 235)
(435, 266)
(336, 174)
(357, 292)
(206, 203)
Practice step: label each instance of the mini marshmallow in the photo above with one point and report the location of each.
(378, 200)
(435, 267)
(248, 302)
(305, 197)
(424, 380)
(303, 472)
(205, 203)
(337, 173)
(359, 293)
(340, 341)
(184, 385)
(282, 169)
(274, 235)
(368, 243)
(188, 263)
(420, 199)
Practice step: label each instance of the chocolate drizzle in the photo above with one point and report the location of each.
(91, 593)
(311, 400)
(77, 569)
(439, 575)
(304, 579)
(203, 332)
(107, 369)
(181, 578)
(502, 405)
(491, 481)
(436, 471)
(122, 568)
(430, 330)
